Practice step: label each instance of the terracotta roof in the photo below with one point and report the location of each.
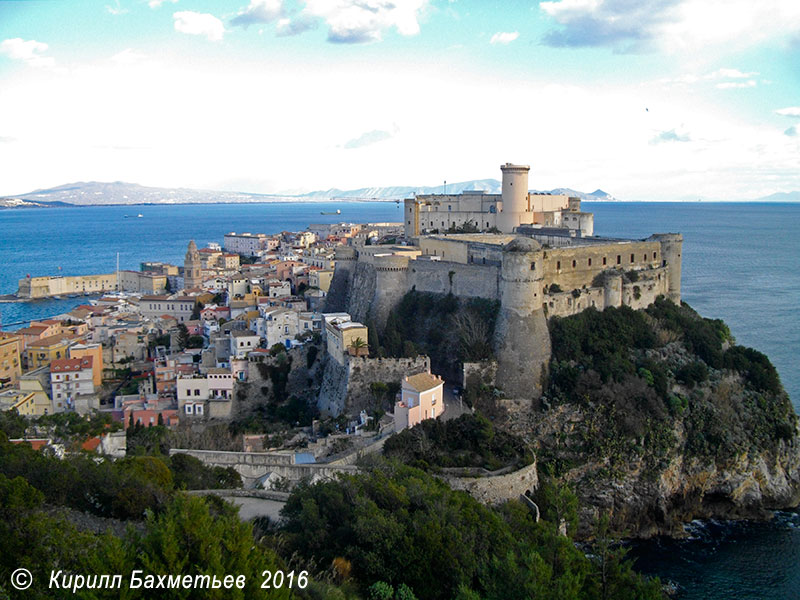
(52, 339)
(422, 382)
(91, 444)
(71, 364)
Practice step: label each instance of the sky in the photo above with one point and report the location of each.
(645, 99)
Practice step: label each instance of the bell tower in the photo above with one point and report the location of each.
(192, 268)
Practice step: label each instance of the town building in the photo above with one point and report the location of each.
(178, 307)
(71, 381)
(345, 337)
(206, 395)
(142, 282)
(10, 358)
(249, 244)
(37, 382)
(421, 397)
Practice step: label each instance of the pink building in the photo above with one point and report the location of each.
(422, 397)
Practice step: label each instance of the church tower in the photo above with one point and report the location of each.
(192, 269)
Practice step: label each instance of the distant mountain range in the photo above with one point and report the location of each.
(95, 193)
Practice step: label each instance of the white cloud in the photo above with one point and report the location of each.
(359, 21)
(194, 23)
(129, 56)
(183, 127)
(789, 111)
(29, 51)
(259, 11)
(730, 85)
(504, 37)
(158, 3)
(367, 138)
(117, 9)
(670, 136)
(730, 74)
(670, 25)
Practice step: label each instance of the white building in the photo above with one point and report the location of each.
(243, 341)
(70, 380)
(249, 244)
(196, 391)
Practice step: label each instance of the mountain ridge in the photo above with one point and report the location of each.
(94, 193)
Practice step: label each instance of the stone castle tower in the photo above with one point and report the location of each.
(515, 197)
(192, 268)
(522, 340)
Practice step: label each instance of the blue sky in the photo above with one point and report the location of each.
(648, 100)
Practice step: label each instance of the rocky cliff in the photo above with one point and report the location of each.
(657, 418)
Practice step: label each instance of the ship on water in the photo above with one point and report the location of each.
(336, 212)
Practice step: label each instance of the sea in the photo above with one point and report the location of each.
(741, 263)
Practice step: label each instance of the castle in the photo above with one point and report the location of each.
(544, 262)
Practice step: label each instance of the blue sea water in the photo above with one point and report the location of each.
(740, 264)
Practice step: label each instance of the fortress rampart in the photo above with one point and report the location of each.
(559, 275)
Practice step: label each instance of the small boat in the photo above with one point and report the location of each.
(139, 216)
(336, 212)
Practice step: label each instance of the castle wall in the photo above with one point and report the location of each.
(499, 488)
(573, 267)
(468, 281)
(639, 294)
(346, 388)
(43, 287)
(338, 297)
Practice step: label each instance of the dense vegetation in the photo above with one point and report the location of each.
(640, 372)
(396, 526)
(190, 536)
(468, 441)
(446, 328)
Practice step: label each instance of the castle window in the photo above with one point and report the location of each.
(604, 261)
(632, 258)
(449, 207)
(590, 262)
(619, 259)
(574, 263)
(654, 255)
(533, 266)
(644, 257)
(558, 265)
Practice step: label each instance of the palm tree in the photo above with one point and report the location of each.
(358, 347)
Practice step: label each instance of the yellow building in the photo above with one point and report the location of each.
(96, 352)
(342, 335)
(10, 358)
(40, 353)
(37, 382)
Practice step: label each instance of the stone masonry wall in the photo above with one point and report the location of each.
(364, 371)
(468, 281)
(496, 490)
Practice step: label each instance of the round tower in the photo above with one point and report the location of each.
(671, 248)
(515, 196)
(192, 267)
(612, 289)
(522, 341)
(521, 276)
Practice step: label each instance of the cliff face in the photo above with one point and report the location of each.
(657, 418)
(644, 499)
